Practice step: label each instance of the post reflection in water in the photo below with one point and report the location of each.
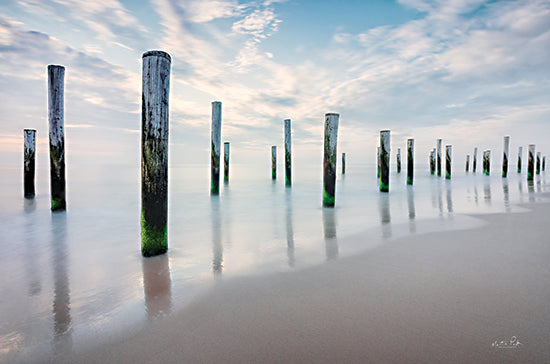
(412, 211)
(449, 197)
(475, 194)
(289, 229)
(385, 217)
(531, 189)
(157, 285)
(62, 342)
(329, 229)
(506, 193)
(487, 192)
(440, 199)
(32, 250)
(217, 247)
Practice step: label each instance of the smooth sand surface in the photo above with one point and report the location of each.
(442, 297)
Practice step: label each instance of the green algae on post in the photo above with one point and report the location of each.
(154, 152)
(538, 163)
(56, 111)
(410, 161)
(448, 151)
(531, 163)
(438, 161)
(398, 160)
(505, 156)
(226, 161)
(288, 154)
(273, 162)
(384, 161)
(215, 147)
(29, 136)
(474, 165)
(467, 163)
(329, 159)
(520, 152)
(344, 163)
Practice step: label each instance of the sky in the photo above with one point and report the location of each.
(467, 71)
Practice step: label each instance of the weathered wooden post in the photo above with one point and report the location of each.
(448, 151)
(329, 160)
(398, 160)
(505, 156)
(488, 167)
(432, 161)
(226, 161)
(531, 163)
(438, 162)
(520, 152)
(384, 161)
(56, 110)
(378, 163)
(343, 163)
(467, 162)
(154, 152)
(273, 162)
(538, 163)
(543, 163)
(474, 165)
(29, 136)
(288, 154)
(410, 161)
(215, 144)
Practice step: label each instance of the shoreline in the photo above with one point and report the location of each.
(439, 296)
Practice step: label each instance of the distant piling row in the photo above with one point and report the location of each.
(531, 163)
(398, 160)
(226, 161)
(410, 161)
(467, 163)
(448, 151)
(474, 164)
(438, 161)
(384, 161)
(29, 156)
(520, 151)
(273, 162)
(343, 163)
(505, 156)
(432, 161)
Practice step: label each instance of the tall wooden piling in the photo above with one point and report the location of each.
(438, 161)
(448, 151)
(432, 161)
(154, 152)
(273, 162)
(467, 163)
(520, 152)
(398, 160)
(538, 163)
(288, 154)
(329, 160)
(410, 161)
(378, 163)
(488, 163)
(505, 156)
(384, 161)
(474, 164)
(215, 145)
(531, 163)
(56, 110)
(543, 163)
(29, 147)
(343, 163)
(226, 161)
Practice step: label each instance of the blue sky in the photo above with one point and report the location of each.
(467, 71)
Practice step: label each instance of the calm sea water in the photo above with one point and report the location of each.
(77, 277)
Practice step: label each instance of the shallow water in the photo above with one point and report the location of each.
(75, 278)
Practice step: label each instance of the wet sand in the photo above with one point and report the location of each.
(438, 297)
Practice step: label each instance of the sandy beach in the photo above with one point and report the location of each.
(478, 295)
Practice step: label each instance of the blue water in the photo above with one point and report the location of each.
(75, 278)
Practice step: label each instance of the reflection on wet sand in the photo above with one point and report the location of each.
(329, 229)
(385, 218)
(217, 247)
(412, 211)
(506, 193)
(449, 197)
(440, 199)
(62, 342)
(157, 285)
(531, 189)
(487, 192)
(32, 250)
(475, 194)
(290, 252)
